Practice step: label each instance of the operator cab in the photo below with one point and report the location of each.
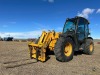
(79, 26)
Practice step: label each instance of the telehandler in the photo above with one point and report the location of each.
(74, 37)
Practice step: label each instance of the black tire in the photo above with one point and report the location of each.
(88, 50)
(60, 47)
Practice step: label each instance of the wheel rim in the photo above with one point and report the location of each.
(68, 49)
(91, 47)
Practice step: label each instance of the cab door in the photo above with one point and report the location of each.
(81, 29)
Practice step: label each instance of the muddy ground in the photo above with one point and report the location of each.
(15, 60)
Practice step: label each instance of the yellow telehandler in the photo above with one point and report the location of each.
(74, 37)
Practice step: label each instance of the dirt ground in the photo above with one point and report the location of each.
(15, 60)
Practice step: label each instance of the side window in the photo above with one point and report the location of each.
(81, 25)
(86, 30)
(81, 29)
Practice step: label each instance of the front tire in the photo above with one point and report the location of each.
(64, 49)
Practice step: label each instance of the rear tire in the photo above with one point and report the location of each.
(60, 49)
(89, 47)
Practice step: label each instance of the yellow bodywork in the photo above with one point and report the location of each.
(46, 41)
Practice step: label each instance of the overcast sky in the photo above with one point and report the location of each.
(28, 18)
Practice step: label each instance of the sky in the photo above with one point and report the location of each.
(28, 18)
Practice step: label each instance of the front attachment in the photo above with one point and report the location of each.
(37, 53)
(46, 41)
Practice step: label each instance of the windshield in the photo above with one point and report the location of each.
(69, 26)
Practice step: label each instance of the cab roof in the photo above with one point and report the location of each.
(78, 18)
